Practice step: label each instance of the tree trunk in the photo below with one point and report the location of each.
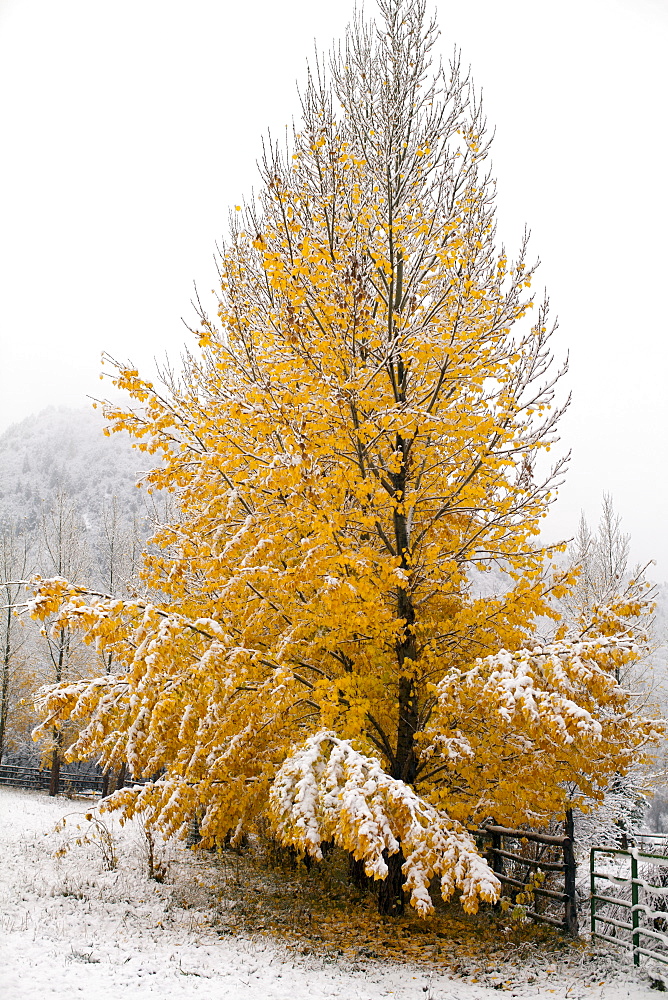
(120, 780)
(405, 766)
(357, 876)
(54, 781)
(4, 708)
(390, 889)
(4, 694)
(405, 761)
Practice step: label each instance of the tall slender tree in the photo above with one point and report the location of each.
(611, 596)
(15, 566)
(63, 552)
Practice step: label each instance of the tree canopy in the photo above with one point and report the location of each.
(353, 442)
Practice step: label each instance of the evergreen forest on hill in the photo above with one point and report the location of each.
(65, 451)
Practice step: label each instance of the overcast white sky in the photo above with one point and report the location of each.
(130, 128)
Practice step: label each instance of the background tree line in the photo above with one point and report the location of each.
(69, 506)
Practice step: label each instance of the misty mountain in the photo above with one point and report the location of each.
(65, 450)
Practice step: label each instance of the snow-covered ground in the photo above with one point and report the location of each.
(69, 927)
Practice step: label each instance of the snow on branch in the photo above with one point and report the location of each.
(557, 688)
(328, 791)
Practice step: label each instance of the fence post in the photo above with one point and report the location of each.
(635, 916)
(570, 876)
(592, 889)
(497, 860)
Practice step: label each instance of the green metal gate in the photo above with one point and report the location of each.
(635, 894)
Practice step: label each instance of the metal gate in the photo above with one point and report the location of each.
(633, 914)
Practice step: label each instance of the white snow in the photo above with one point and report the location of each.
(327, 790)
(69, 928)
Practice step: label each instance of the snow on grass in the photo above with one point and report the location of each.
(70, 927)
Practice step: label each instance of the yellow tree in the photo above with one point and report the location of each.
(355, 438)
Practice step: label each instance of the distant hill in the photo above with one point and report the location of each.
(65, 449)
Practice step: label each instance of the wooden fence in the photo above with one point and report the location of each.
(514, 866)
(22, 776)
(34, 777)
